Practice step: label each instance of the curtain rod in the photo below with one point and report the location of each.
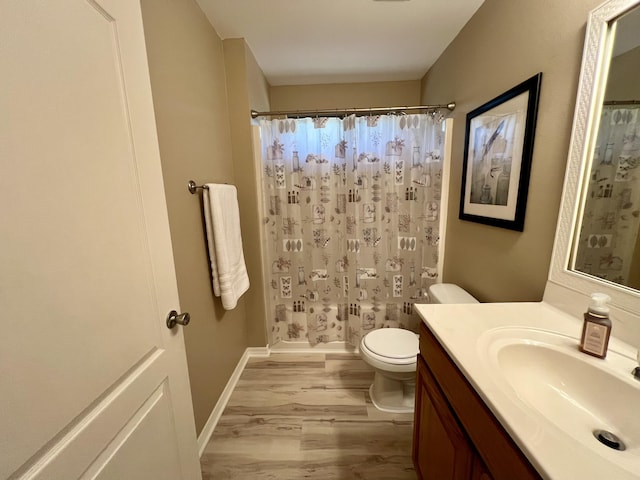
(622, 102)
(349, 111)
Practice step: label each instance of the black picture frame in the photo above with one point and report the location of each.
(498, 147)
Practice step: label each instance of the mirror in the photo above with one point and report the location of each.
(608, 241)
(597, 245)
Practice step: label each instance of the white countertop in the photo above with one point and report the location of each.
(555, 454)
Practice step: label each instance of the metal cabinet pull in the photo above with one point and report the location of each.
(174, 318)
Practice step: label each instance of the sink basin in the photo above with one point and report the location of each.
(545, 374)
(523, 361)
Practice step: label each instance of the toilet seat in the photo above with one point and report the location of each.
(395, 346)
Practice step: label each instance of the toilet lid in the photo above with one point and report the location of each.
(395, 343)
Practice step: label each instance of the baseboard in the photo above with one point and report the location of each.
(302, 347)
(216, 413)
(257, 352)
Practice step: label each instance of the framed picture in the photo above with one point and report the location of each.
(498, 146)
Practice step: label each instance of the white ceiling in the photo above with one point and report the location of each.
(341, 41)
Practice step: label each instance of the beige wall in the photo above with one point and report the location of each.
(345, 95)
(622, 83)
(186, 63)
(257, 85)
(506, 42)
(247, 90)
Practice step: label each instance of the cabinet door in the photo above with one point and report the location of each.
(480, 471)
(441, 450)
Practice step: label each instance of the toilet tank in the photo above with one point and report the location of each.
(449, 293)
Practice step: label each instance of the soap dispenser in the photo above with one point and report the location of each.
(597, 326)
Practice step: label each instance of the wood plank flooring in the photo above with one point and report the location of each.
(308, 417)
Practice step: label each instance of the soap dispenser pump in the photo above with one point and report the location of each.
(597, 326)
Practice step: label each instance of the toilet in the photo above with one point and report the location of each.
(392, 352)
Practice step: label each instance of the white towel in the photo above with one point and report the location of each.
(222, 218)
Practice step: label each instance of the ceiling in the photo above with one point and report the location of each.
(341, 41)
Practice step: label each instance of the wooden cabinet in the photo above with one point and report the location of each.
(456, 437)
(441, 448)
(479, 471)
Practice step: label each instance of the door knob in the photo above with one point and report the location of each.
(175, 318)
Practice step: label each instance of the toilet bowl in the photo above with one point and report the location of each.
(393, 352)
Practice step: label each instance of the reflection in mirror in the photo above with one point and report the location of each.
(568, 287)
(608, 245)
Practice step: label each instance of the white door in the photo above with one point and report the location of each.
(92, 382)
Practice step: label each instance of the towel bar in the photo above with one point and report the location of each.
(193, 188)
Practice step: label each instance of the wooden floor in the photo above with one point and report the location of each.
(308, 417)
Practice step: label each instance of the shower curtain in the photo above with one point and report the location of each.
(352, 209)
(611, 219)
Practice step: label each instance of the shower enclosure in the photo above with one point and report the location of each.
(353, 210)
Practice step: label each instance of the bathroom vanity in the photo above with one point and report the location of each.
(503, 392)
(452, 425)
(455, 435)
